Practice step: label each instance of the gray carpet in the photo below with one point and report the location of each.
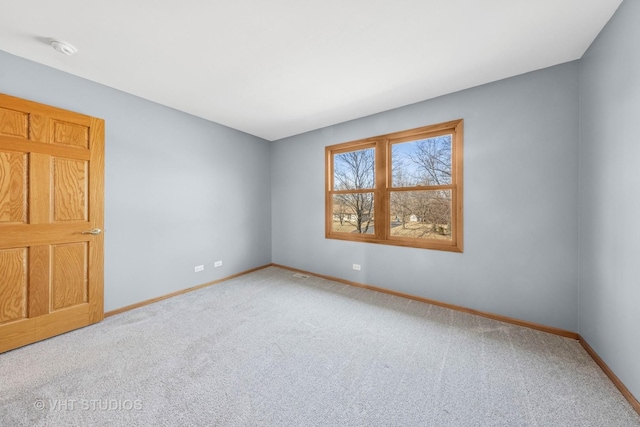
(269, 349)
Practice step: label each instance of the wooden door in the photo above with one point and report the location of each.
(51, 197)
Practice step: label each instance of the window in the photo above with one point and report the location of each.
(403, 188)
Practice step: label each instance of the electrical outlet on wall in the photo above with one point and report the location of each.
(199, 268)
(217, 264)
(356, 267)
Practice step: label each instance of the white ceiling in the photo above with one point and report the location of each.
(278, 68)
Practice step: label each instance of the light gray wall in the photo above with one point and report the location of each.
(521, 202)
(609, 195)
(179, 191)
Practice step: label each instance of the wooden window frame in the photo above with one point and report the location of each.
(383, 187)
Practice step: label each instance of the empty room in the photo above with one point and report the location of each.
(336, 213)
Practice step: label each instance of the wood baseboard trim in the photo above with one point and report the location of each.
(505, 319)
(183, 291)
(613, 377)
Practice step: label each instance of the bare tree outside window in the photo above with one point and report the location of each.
(354, 170)
(432, 159)
(421, 163)
(424, 162)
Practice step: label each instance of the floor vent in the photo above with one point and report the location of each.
(301, 276)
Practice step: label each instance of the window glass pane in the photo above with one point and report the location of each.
(354, 170)
(353, 213)
(422, 162)
(421, 214)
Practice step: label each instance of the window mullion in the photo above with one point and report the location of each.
(381, 200)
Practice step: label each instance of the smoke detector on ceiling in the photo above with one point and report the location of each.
(64, 47)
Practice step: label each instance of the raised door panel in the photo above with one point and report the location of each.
(70, 134)
(14, 123)
(13, 284)
(69, 280)
(13, 187)
(70, 190)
